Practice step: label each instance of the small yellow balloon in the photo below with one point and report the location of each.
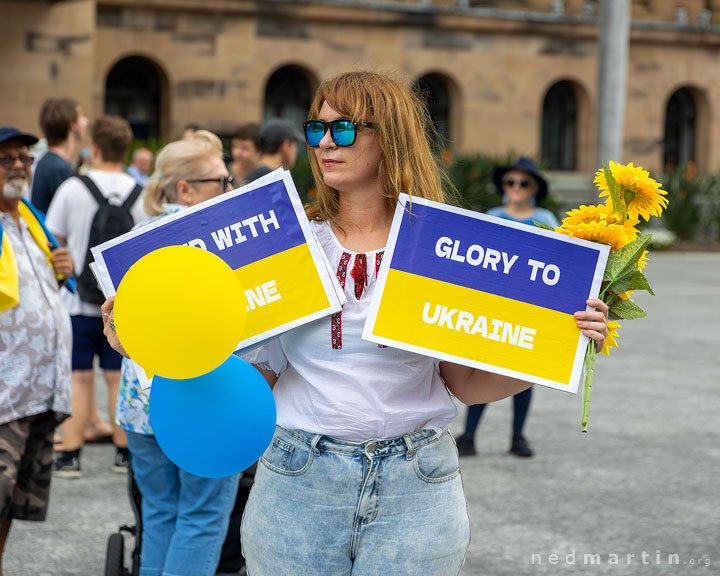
(180, 312)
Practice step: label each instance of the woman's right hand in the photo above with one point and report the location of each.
(109, 326)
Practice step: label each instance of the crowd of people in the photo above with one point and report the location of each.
(362, 473)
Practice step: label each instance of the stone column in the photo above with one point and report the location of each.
(613, 41)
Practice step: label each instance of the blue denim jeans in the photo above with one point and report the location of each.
(185, 517)
(327, 507)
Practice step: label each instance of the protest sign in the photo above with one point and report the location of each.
(485, 292)
(262, 233)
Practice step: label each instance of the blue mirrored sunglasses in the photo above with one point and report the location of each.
(342, 131)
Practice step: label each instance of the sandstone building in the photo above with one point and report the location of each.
(502, 75)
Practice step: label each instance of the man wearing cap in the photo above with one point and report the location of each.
(279, 146)
(35, 347)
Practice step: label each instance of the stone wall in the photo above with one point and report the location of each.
(216, 56)
(47, 49)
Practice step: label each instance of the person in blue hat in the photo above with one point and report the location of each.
(522, 188)
(36, 341)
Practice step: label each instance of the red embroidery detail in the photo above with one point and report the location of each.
(359, 274)
(336, 319)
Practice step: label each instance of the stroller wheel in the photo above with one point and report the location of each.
(115, 555)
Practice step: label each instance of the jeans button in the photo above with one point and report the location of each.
(370, 448)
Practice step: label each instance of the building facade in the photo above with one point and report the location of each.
(500, 75)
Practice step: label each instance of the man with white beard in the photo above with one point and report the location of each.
(35, 341)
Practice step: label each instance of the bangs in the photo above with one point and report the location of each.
(350, 96)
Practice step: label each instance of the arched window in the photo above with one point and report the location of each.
(680, 128)
(288, 94)
(434, 87)
(559, 127)
(136, 89)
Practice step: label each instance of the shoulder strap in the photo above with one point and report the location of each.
(130, 200)
(94, 190)
(43, 237)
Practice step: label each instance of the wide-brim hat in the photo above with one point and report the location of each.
(522, 164)
(10, 133)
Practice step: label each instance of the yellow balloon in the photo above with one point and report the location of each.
(179, 312)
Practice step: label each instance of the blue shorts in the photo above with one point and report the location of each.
(328, 507)
(88, 341)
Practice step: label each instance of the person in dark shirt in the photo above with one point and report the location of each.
(279, 140)
(64, 124)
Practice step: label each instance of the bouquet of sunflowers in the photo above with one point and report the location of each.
(631, 195)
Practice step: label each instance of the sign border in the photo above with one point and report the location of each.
(333, 292)
(404, 204)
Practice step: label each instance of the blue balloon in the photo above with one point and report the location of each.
(217, 424)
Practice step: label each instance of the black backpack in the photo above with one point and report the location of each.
(110, 221)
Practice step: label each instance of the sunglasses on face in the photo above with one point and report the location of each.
(7, 162)
(510, 182)
(343, 131)
(224, 181)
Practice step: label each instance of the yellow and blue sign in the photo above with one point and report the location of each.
(262, 233)
(484, 292)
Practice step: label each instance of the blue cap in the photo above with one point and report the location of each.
(10, 133)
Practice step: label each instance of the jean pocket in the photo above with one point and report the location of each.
(438, 461)
(287, 457)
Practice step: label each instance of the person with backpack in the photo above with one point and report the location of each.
(85, 212)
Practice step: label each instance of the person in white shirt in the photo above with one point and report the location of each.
(70, 218)
(362, 476)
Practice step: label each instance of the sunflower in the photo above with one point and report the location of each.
(643, 195)
(610, 341)
(614, 235)
(586, 214)
(602, 213)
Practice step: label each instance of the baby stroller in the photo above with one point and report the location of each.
(231, 561)
(115, 551)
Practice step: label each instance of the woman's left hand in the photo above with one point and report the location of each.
(109, 326)
(594, 323)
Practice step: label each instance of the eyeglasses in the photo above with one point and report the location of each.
(6, 162)
(224, 181)
(510, 182)
(342, 131)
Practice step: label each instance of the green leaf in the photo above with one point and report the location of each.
(544, 226)
(618, 201)
(622, 264)
(623, 281)
(639, 282)
(626, 310)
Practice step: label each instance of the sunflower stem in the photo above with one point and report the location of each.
(587, 385)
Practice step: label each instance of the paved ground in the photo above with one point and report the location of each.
(642, 482)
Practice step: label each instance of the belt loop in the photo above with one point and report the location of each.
(313, 444)
(411, 449)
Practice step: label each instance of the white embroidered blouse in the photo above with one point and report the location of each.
(332, 382)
